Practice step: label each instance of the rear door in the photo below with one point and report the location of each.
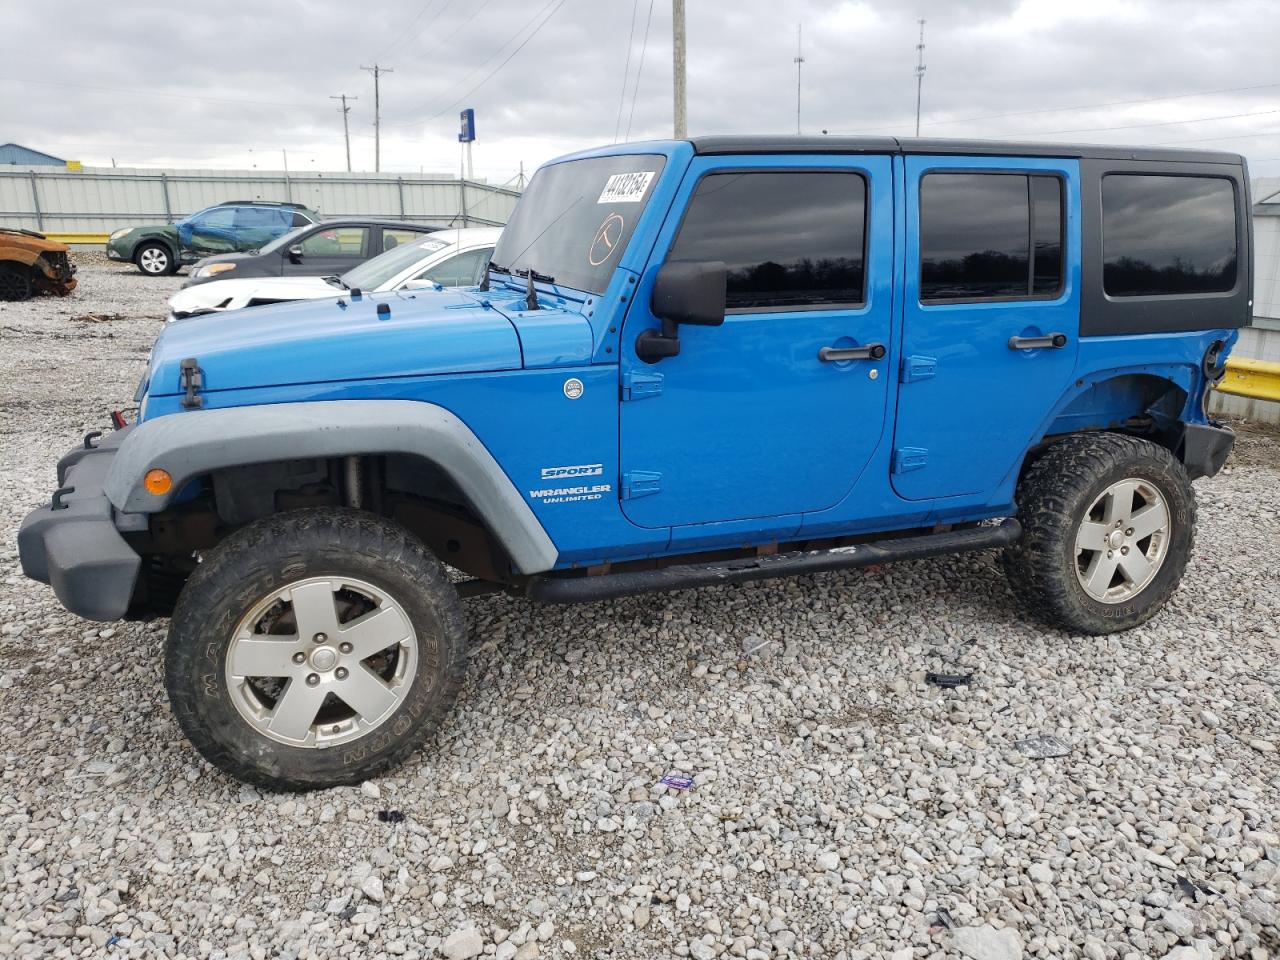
(749, 420)
(991, 316)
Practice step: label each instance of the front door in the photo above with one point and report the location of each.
(329, 251)
(759, 417)
(991, 317)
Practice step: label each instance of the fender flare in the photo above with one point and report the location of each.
(189, 445)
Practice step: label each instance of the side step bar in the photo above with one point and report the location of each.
(584, 589)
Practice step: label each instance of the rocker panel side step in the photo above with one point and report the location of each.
(585, 589)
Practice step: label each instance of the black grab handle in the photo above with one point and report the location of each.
(872, 351)
(1053, 341)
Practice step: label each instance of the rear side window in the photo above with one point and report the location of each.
(1167, 236)
(790, 239)
(990, 236)
(337, 242)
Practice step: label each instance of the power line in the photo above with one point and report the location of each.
(626, 69)
(474, 71)
(644, 45)
(555, 6)
(1161, 123)
(151, 93)
(406, 34)
(1079, 106)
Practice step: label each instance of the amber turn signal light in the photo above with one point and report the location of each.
(158, 481)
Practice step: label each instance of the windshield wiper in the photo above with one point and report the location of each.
(336, 281)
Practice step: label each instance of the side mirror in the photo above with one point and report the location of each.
(418, 283)
(684, 291)
(295, 253)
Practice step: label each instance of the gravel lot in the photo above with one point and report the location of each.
(842, 807)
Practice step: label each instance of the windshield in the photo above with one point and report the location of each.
(285, 239)
(574, 221)
(372, 274)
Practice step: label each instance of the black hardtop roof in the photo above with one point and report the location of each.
(926, 145)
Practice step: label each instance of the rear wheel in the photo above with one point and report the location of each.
(155, 259)
(15, 282)
(1108, 525)
(314, 649)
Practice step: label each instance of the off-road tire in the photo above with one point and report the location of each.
(153, 252)
(15, 282)
(1052, 498)
(265, 556)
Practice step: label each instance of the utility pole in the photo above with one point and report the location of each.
(377, 71)
(799, 59)
(919, 74)
(346, 131)
(678, 68)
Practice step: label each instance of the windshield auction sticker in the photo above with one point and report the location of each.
(626, 187)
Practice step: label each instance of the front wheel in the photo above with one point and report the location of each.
(314, 649)
(15, 282)
(155, 260)
(1108, 524)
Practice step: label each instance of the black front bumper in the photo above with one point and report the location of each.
(74, 543)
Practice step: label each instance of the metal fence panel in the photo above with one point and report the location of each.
(101, 199)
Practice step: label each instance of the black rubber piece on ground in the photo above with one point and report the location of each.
(1052, 498)
(288, 547)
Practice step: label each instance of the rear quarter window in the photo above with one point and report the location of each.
(1168, 235)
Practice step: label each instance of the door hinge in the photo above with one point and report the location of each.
(918, 368)
(640, 483)
(638, 386)
(906, 459)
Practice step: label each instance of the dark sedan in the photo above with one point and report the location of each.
(328, 248)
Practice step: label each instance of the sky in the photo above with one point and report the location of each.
(236, 83)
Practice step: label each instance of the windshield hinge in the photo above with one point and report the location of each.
(915, 368)
(638, 386)
(191, 381)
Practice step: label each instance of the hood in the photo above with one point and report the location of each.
(425, 332)
(30, 240)
(236, 292)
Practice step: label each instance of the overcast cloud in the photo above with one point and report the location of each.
(230, 84)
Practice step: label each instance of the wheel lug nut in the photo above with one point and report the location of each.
(1124, 551)
(313, 679)
(1109, 554)
(299, 657)
(345, 647)
(1129, 532)
(341, 673)
(319, 638)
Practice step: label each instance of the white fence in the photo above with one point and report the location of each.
(101, 199)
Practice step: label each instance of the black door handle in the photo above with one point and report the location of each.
(1053, 341)
(872, 351)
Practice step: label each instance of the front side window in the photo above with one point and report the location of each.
(990, 236)
(215, 218)
(1167, 236)
(337, 242)
(789, 238)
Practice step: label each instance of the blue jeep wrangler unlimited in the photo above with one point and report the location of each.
(692, 362)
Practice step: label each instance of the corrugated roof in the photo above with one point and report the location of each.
(17, 154)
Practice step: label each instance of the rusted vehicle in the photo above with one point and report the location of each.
(31, 264)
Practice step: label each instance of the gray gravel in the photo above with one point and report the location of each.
(842, 808)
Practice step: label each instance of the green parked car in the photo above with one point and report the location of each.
(232, 227)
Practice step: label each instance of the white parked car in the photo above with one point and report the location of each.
(450, 258)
